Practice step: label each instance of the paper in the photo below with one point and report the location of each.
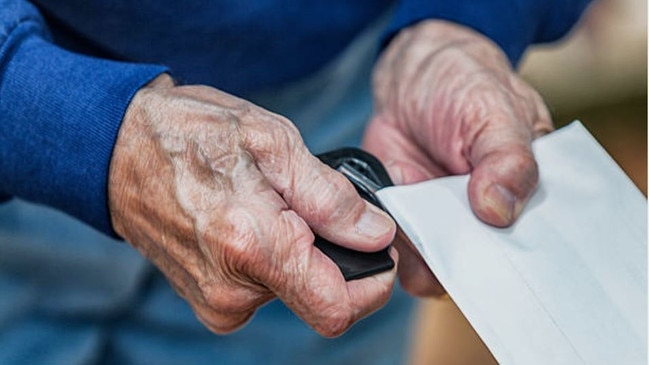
(567, 283)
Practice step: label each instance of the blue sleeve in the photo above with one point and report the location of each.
(59, 117)
(512, 24)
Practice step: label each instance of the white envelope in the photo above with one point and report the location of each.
(567, 283)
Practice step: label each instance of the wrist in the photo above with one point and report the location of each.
(132, 140)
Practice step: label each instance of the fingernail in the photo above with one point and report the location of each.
(501, 201)
(374, 222)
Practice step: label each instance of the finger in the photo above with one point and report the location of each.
(415, 276)
(371, 293)
(504, 173)
(404, 161)
(329, 203)
(404, 173)
(222, 321)
(220, 313)
(313, 287)
(321, 196)
(261, 243)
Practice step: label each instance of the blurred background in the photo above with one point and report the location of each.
(597, 74)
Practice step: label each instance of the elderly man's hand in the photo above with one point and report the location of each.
(224, 198)
(448, 102)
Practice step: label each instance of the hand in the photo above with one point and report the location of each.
(448, 102)
(223, 197)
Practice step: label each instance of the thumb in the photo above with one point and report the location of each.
(321, 196)
(504, 176)
(329, 203)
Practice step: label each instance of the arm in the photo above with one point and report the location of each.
(220, 194)
(59, 117)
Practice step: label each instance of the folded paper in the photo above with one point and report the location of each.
(567, 283)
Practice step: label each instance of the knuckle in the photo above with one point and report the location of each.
(281, 135)
(327, 311)
(520, 158)
(336, 322)
(241, 246)
(298, 234)
(232, 299)
(524, 163)
(271, 133)
(223, 325)
(223, 329)
(335, 196)
(219, 299)
(239, 243)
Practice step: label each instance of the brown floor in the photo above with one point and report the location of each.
(442, 335)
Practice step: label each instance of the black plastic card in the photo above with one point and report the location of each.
(367, 175)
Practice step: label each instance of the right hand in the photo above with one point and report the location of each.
(223, 197)
(447, 102)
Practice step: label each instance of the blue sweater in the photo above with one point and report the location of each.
(68, 68)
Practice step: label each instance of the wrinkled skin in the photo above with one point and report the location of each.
(224, 197)
(448, 102)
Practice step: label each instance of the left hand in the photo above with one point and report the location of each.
(448, 102)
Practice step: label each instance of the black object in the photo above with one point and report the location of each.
(368, 175)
